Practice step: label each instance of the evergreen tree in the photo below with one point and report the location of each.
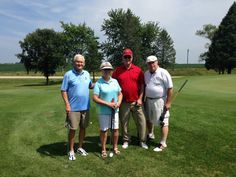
(221, 55)
(164, 49)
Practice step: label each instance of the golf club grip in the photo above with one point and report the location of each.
(163, 114)
(112, 114)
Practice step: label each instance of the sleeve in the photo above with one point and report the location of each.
(168, 80)
(96, 89)
(114, 74)
(118, 85)
(90, 83)
(65, 83)
(141, 78)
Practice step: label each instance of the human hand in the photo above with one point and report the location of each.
(68, 109)
(139, 102)
(167, 106)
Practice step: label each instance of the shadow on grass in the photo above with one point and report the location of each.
(58, 82)
(91, 144)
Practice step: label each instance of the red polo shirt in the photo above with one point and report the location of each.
(130, 81)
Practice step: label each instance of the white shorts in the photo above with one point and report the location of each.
(154, 109)
(105, 121)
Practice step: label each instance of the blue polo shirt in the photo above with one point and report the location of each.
(106, 91)
(77, 87)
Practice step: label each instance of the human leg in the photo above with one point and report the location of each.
(103, 138)
(148, 109)
(150, 130)
(83, 122)
(162, 145)
(140, 121)
(71, 139)
(115, 141)
(139, 118)
(124, 115)
(164, 134)
(81, 137)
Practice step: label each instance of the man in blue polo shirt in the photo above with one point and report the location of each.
(75, 93)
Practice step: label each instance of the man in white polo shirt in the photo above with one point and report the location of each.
(158, 92)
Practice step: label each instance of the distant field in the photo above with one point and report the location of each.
(11, 67)
(179, 69)
(202, 140)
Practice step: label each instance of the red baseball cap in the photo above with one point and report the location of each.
(127, 52)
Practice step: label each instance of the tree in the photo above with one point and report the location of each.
(164, 49)
(123, 30)
(81, 39)
(150, 34)
(221, 55)
(207, 32)
(41, 51)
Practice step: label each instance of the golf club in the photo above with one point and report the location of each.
(111, 130)
(165, 110)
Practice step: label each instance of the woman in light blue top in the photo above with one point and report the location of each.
(107, 94)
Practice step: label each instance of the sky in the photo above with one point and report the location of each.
(181, 19)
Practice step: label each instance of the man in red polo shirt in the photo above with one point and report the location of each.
(131, 80)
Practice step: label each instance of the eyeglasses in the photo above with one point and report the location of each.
(127, 58)
(106, 70)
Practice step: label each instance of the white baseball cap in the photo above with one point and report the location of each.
(106, 65)
(151, 58)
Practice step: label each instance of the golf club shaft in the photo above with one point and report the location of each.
(182, 86)
(165, 110)
(111, 131)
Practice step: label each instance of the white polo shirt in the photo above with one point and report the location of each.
(157, 83)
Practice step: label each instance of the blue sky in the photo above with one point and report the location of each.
(181, 18)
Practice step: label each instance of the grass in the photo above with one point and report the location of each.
(202, 139)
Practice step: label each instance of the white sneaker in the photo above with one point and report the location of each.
(143, 145)
(72, 155)
(157, 149)
(160, 147)
(125, 145)
(151, 136)
(82, 152)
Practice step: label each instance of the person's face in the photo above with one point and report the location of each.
(152, 66)
(106, 72)
(79, 64)
(127, 60)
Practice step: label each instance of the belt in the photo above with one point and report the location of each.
(154, 98)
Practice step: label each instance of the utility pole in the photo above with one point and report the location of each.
(187, 55)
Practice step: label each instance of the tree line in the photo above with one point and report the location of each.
(45, 50)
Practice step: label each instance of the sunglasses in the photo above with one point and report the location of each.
(127, 57)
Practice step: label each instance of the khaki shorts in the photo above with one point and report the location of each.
(154, 109)
(78, 119)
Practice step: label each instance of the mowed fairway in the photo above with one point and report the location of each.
(202, 139)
